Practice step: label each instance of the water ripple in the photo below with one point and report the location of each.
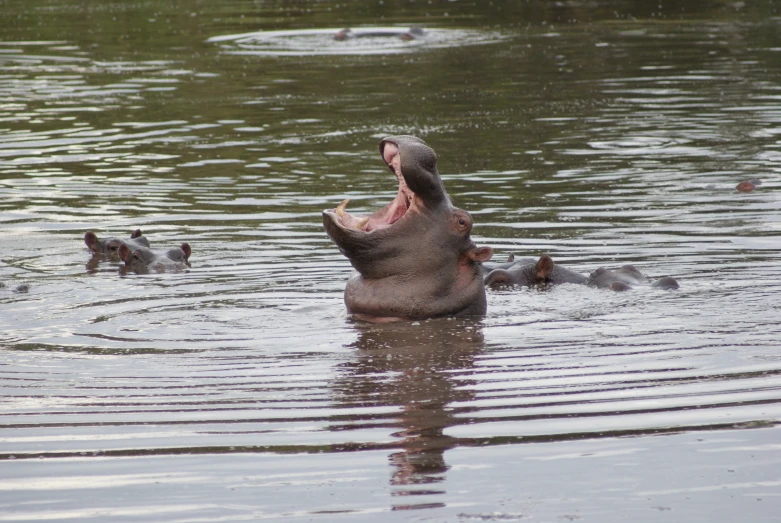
(619, 144)
(316, 42)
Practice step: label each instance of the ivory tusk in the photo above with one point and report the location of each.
(342, 206)
(361, 224)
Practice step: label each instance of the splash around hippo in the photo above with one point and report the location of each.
(414, 257)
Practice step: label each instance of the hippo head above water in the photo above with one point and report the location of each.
(530, 273)
(414, 257)
(111, 245)
(143, 260)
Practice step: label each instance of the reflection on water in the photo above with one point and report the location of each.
(414, 368)
(581, 133)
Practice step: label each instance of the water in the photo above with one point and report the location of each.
(240, 390)
(373, 41)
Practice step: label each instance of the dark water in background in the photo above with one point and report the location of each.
(600, 133)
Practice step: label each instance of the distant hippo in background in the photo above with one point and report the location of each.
(405, 34)
(21, 288)
(144, 260)
(493, 265)
(528, 274)
(624, 278)
(414, 258)
(111, 245)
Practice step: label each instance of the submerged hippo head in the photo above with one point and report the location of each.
(542, 272)
(414, 256)
(624, 278)
(143, 260)
(111, 245)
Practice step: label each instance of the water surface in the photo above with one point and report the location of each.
(240, 389)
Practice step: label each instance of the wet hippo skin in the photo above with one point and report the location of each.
(624, 278)
(414, 258)
(144, 260)
(525, 273)
(111, 245)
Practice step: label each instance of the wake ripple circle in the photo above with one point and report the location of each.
(372, 40)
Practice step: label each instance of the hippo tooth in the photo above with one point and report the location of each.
(361, 224)
(342, 206)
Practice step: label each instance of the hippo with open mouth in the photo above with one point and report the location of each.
(414, 257)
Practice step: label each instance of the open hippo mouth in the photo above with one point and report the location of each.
(391, 213)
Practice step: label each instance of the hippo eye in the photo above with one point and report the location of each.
(462, 222)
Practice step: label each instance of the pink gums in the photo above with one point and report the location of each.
(391, 213)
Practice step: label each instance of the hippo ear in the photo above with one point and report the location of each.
(187, 250)
(480, 254)
(498, 278)
(123, 252)
(136, 234)
(545, 267)
(91, 240)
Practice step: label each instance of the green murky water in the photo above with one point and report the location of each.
(599, 133)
